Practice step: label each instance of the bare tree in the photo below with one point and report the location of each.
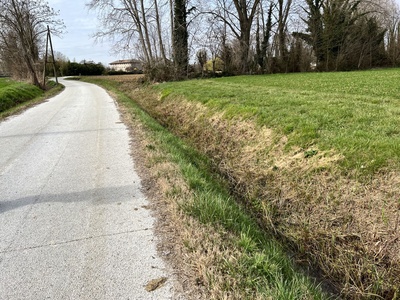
(387, 15)
(263, 35)
(254, 23)
(159, 31)
(23, 26)
(130, 23)
(238, 16)
(284, 7)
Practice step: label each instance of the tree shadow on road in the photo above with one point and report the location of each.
(97, 196)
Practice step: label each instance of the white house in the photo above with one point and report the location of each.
(126, 65)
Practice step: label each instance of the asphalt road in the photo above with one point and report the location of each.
(73, 221)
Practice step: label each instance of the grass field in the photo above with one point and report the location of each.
(356, 113)
(317, 155)
(314, 158)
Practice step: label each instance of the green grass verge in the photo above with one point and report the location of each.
(262, 269)
(17, 96)
(13, 93)
(355, 113)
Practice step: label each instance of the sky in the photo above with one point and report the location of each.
(77, 43)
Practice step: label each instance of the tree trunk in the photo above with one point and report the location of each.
(132, 9)
(180, 41)
(244, 50)
(146, 32)
(282, 23)
(266, 37)
(246, 17)
(159, 30)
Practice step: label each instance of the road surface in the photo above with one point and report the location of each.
(73, 221)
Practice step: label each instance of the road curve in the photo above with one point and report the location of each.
(73, 221)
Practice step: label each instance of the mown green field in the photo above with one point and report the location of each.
(355, 113)
(13, 93)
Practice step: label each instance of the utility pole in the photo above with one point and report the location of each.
(48, 40)
(45, 60)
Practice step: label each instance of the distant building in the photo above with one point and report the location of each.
(126, 65)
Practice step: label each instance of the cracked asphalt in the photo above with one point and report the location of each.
(73, 221)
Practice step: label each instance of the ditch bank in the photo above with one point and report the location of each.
(344, 227)
(19, 96)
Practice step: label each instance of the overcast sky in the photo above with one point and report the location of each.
(77, 43)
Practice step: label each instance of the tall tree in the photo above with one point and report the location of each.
(180, 38)
(246, 11)
(23, 27)
(387, 16)
(393, 42)
(315, 29)
(340, 33)
(159, 32)
(238, 15)
(284, 7)
(263, 35)
(130, 24)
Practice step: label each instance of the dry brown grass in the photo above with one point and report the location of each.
(348, 229)
(121, 78)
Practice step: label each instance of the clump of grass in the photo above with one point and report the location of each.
(234, 258)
